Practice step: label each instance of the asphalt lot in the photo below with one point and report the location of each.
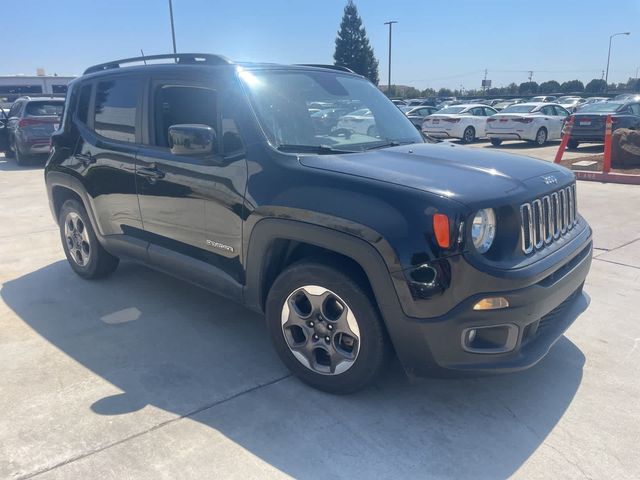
(143, 376)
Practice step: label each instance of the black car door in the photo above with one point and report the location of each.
(191, 205)
(108, 121)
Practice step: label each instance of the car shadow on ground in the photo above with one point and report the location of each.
(10, 165)
(171, 345)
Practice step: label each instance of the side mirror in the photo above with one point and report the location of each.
(192, 140)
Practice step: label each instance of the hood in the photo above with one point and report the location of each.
(468, 175)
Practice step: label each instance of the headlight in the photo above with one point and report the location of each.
(483, 229)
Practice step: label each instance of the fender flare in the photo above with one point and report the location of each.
(384, 285)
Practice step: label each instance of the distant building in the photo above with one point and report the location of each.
(13, 86)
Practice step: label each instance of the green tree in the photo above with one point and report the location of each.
(352, 45)
(572, 86)
(633, 84)
(445, 92)
(528, 88)
(549, 87)
(428, 92)
(411, 92)
(595, 86)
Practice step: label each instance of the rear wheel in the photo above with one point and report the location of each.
(572, 144)
(496, 142)
(541, 137)
(21, 159)
(83, 251)
(468, 135)
(325, 328)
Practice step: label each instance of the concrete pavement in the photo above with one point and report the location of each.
(143, 376)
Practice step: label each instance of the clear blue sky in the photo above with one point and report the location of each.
(435, 44)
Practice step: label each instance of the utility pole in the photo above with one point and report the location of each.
(484, 83)
(530, 75)
(389, 78)
(606, 78)
(173, 32)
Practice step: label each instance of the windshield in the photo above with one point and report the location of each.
(601, 107)
(451, 110)
(282, 98)
(519, 109)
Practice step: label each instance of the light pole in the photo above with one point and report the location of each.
(389, 79)
(606, 78)
(173, 32)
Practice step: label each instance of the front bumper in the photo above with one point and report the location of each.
(539, 313)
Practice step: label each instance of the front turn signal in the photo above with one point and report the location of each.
(441, 230)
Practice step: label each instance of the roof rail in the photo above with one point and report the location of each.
(181, 58)
(331, 67)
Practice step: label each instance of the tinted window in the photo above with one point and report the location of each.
(115, 108)
(547, 110)
(15, 109)
(601, 107)
(477, 112)
(44, 109)
(82, 112)
(561, 112)
(178, 104)
(489, 111)
(635, 108)
(519, 109)
(59, 88)
(452, 110)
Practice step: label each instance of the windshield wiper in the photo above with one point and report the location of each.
(321, 149)
(388, 144)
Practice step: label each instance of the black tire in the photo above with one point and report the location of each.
(9, 153)
(21, 158)
(99, 262)
(469, 135)
(496, 142)
(572, 144)
(373, 345)
(541, 138)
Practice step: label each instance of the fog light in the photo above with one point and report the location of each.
(491, 303)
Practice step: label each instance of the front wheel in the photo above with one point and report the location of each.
(83, 251)
(496, 142)
(325, 328)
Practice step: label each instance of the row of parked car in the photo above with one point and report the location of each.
(534, 121)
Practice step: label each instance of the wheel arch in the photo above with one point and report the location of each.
(276, 243)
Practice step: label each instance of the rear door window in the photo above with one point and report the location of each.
(116, 107)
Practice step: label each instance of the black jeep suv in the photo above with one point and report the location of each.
(356, 243)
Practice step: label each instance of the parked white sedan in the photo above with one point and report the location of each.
(359, 121)
(466, 122)
(535, 122)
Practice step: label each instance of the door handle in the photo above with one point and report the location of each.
(152, 174)
(86, 158)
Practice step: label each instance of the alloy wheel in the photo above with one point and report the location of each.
(77, 238)
(320, 330)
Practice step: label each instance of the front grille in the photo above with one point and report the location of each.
(546, 219)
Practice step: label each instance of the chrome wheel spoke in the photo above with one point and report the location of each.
(77, 239)
(320, 330)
